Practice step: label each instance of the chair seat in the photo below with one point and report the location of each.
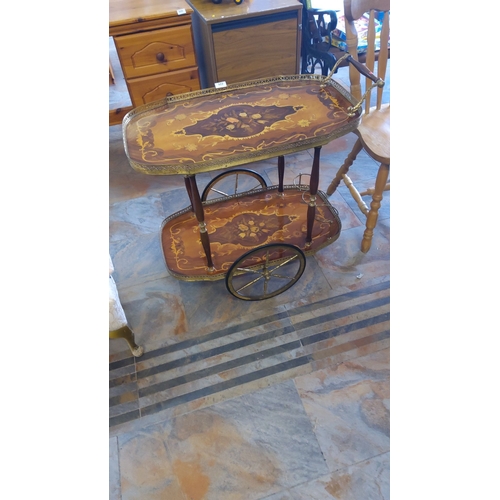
(375, 133)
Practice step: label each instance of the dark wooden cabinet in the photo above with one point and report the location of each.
(256, 39)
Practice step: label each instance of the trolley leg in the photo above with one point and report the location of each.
(188, 189)
(200, 216)
(281, 174)
(313, 190)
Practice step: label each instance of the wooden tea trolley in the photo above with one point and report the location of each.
(239, 229)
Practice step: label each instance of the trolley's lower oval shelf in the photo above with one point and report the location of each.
(242, 222)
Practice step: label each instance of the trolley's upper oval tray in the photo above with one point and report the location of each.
(213, 129)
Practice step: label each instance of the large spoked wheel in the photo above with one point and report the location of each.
(237, 181)
(265, 271)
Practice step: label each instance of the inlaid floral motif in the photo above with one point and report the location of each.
(241, 120)
(249, 229)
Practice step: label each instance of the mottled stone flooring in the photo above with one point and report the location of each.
(286, 398)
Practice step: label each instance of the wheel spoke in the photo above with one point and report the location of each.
(270, 279)
(266, 263)
(286, 262)
(248, 270)
(230, 182)
(282, 277)
(220, 192)
(249, 284)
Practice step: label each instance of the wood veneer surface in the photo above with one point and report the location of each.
(122, 12)
(229, 11)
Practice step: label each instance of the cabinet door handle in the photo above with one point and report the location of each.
(160, 57)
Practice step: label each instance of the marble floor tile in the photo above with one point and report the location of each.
(154, 311)
(147, 472)
(131, 218)
(367, 480)
(247, 448)
(130, 266)
(347, 268)
(349, 408)
(173, 201)
(209, 303)
(114, 470)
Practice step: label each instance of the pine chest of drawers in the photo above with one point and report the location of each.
(154, 43)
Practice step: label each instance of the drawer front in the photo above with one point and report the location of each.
(153, 88)
(154, 52)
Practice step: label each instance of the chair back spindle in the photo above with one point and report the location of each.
(353, 10)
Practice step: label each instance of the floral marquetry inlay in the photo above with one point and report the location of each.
(235, 225)
(240, 121)
(210, 130)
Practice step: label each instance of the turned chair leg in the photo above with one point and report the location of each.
(371, 219)
(126, 333)
(344, 168)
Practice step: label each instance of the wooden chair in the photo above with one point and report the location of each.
(374, 129)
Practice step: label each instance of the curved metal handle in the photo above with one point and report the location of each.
(365, 71)
(351, 110)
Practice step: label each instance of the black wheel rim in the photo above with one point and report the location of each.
(233, 182)
(266, 271)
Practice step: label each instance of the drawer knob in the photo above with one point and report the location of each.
(160, 57)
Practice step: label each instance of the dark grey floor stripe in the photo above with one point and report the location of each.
(340, 298)
(238, 362)
(121, 363)
(253, 324)
(242, 379)
(342, 313)
(125, 379)
(214, 335)
(335, 332)
(206, 372)
(125, 397)
(214, 352)
(147, 372)
(317, 321)
(199, 340)
(124, 417)
(227, 384)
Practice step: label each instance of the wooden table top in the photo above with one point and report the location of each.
(229, 11)
(214, 129)
(141, 12)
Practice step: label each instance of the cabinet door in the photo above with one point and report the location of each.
(257, 48)
(153, 88)
(157, 51)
